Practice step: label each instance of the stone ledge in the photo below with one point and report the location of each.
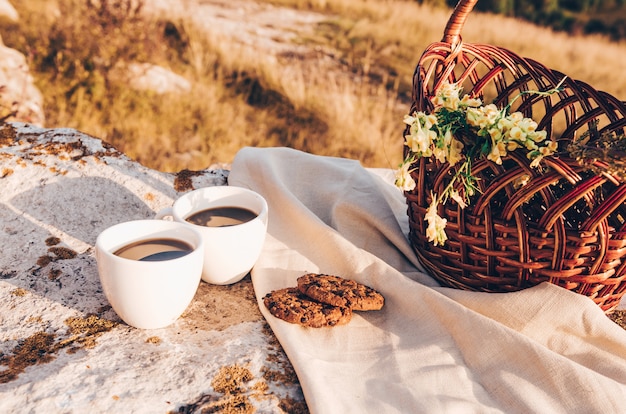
(62, 347)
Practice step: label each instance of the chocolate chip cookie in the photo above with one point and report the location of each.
(337, 291)
(291, 305)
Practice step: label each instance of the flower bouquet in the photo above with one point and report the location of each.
(461, 130)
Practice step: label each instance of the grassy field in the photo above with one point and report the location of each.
(240, 99)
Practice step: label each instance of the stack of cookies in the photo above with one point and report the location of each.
(322, 301)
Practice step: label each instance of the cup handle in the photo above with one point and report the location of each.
(167, 211)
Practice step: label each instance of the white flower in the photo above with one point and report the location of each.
(538, 136)
(517, 133)
(435, 232)
(404, 181)
(409, 120)
(542, 152)
(512, 146)
(429, 120)
(516, 117)
(497, 152)
(455, 151)
(440, 153)
(505, 124)
(447, 96)
(491, 113)
(420, 138)
(432, 209)
(521, 181)
(528, 125)
(495, 134)
(553, 146)
(468, 101)
(535, 162)
(530, 145)
(457, 197)
(474, 117)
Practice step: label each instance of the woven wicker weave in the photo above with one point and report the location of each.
(565, 226)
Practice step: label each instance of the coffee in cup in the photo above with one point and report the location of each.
(233, 223)
(155, 250)
(221, 216)
(149, 270)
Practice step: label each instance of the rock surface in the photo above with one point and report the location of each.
(148, 77)
(18, 92)
(62, 347)
(8, 11)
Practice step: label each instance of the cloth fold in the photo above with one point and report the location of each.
(430, 349)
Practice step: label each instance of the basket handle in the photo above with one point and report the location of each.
(452, 33)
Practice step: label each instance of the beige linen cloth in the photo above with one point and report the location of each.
(430, 349)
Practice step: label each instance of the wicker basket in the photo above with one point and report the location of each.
(565, 226)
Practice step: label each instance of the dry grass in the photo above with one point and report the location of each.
(411, 26)
(242, 98)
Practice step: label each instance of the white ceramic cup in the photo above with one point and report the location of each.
(149, 294)
(230, 251)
